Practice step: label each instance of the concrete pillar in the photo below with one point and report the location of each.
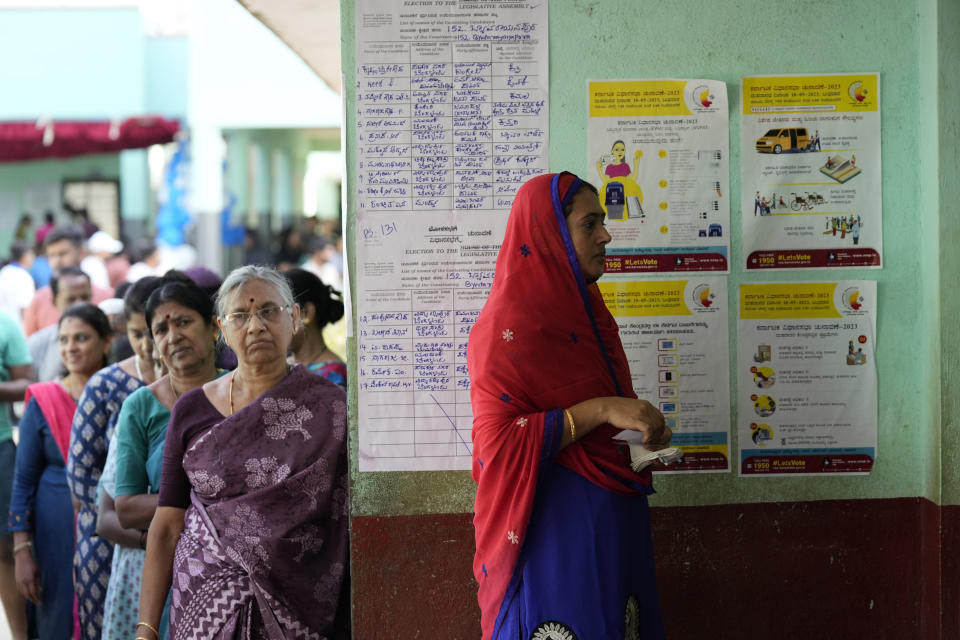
(206, 192)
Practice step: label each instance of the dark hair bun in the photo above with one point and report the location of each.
(307, 287)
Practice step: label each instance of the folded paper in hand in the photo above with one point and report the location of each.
(641, 457)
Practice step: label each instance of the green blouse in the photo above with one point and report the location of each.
(141, 431)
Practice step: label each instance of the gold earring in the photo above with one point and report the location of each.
(306, 321)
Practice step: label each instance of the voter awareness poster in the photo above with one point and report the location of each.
(674, 333)
(810, 172)
(658, 151)
(807, 378)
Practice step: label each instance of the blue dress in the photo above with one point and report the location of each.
(41, 505)
(93, 427)
(588, 530)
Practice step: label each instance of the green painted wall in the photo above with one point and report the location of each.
(693, 39)
(948, 137)
(136, 199)
(17, 179)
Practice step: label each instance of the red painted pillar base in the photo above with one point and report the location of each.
(833, 569)
(412, 577)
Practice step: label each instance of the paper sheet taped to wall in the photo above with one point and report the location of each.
(658, 151)
(451, 118)
(810, 171)
(807, 379)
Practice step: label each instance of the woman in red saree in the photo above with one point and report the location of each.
(252, 519)
(562, 528)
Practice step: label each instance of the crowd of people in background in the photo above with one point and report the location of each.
(316, 247)
(104, 351)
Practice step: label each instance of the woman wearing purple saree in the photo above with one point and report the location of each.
(255, 479)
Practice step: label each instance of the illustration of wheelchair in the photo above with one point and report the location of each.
(800, 204)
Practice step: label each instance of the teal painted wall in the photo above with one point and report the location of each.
(166, 62)
(88, 64)
(66, 63)
(612, 39)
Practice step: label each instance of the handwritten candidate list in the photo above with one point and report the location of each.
(451, 118)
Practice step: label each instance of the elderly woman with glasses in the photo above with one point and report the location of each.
(251, 523)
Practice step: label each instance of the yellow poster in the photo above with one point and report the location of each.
(657, 151)
(810, 171)
(807, 380)
(674, 333)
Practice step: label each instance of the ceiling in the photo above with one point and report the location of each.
(310, 27)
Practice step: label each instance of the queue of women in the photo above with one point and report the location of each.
(164, 497)
(213, 503)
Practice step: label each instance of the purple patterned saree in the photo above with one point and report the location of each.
(264, 551)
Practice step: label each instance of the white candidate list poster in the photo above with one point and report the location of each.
(452, 117)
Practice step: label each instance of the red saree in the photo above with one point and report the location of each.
(544, 341)
(58, 408)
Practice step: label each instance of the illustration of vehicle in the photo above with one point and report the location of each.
(716, 231)
(780, 140)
